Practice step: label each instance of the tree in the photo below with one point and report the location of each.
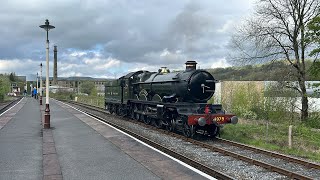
(12, 77)
(277, 31)
(87, 87)
(94, 91)
(4, 86)
(313, 36)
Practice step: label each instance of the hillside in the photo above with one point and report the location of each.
(276, 71)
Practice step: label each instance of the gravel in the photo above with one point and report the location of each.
(310, 172)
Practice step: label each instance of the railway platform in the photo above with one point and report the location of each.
(75, 147)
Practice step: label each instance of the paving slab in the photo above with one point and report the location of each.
(21, 142)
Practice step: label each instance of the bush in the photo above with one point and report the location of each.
(251, 100)
(92, 100)
(88, 87)
(250, 115)
(4, 86)
(313, 121)
(62, 95)
(246, 100)
(211, 100)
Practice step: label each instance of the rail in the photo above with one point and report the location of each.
(7, 104)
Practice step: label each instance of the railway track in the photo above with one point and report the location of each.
(307, 164)
(307, 170)
(7, 104)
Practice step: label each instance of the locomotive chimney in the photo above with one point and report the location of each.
(55, 73)
(191, 65)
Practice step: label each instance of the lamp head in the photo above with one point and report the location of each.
(47, 26)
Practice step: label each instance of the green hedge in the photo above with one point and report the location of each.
(4, 86)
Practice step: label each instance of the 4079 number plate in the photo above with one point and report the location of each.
(218, 119)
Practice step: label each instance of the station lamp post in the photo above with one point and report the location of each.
(47, 27)
(40, 83)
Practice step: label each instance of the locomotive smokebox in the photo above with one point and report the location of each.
(191, 65)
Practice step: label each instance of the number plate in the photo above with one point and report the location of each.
(218, 119)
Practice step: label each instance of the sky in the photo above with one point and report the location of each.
(110, 38)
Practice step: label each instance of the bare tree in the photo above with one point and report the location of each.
(277, 32)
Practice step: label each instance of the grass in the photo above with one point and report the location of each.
(92, 100)
(9, 98)
(305, 143)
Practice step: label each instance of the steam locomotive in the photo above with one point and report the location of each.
(176, 101)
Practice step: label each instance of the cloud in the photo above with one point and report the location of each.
(78, 54)
(102, 38)
(227, 27)
(108, 63)
(11, 65)
(220, 63)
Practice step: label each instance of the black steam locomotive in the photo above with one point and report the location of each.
(176, 101)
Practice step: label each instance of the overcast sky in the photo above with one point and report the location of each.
(109, 38)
